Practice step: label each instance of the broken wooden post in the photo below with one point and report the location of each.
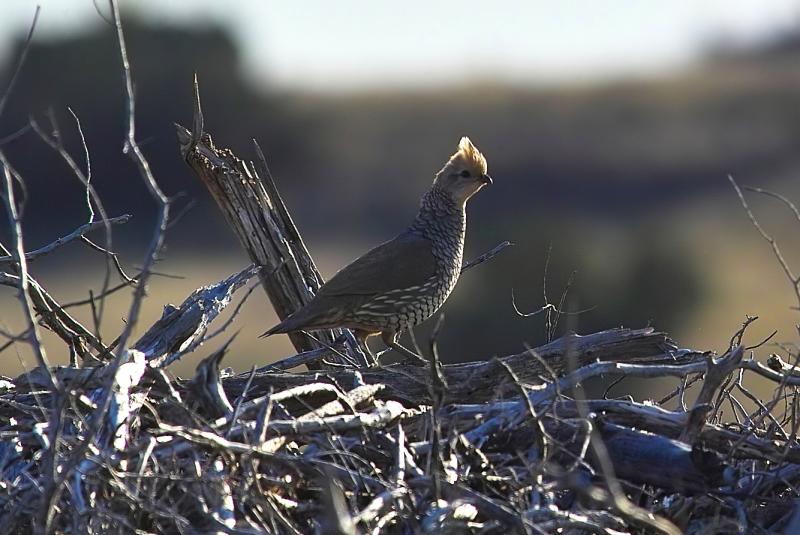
(255, 212)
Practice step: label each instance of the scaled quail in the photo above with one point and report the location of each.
(402, 282)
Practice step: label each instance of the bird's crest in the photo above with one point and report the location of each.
(468, 154)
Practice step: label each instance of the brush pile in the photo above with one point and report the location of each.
(113, 443)
(502, 446)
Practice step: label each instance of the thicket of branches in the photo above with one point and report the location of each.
(115, 443)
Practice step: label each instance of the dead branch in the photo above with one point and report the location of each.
(23, 282)
(54, 317)
(74, 235)
(478, 381)
(55, 142)
(256, 213)
(181, 329)
(488, 255)
(716, 372)
(773, 243)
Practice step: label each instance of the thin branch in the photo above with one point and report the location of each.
(488, 255)
(110, 291)
(779, 197)
(74, 235)
(776, 250)
(55, 142)
(114, 259)
(19, 256)
(15, 135)
(21, 61)
(88, 164)
(548, 307)
(132, 149)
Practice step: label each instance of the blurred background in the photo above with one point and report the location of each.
(610, 129)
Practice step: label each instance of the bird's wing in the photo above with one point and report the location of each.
(402, 262)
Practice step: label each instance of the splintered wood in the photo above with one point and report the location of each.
(351, 451)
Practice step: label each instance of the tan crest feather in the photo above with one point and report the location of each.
(468, 153)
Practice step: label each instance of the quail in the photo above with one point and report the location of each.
(403, 281)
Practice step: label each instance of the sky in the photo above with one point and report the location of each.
(352, 44)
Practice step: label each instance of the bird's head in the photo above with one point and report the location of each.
(464, 174)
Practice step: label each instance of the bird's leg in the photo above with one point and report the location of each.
(361, 345)
(390, 339)
(361, 337)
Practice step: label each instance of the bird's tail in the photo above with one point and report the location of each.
(291, 323)
(307, 318)
(278, 329)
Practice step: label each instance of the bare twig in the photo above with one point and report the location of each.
(20, 259)
(789, 204)
(55, 142)
(74, 235)
(132, 148)
(548, 307)
(488, 255)
(20, 61)
(776, 250)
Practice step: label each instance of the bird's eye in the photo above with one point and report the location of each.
(464, 173)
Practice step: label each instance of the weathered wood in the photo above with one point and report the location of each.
(256, 214)
(716, 372)
(182, 329)
(179, 331)
(649, 459)
(670, 424)
(290, 436)
(483, 380)
(643, 416)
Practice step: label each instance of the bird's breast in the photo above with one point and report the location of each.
(405, 307)
(448, 249)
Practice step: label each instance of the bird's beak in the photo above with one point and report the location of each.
(487, 180)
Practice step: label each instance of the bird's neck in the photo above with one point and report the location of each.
(439, 214)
